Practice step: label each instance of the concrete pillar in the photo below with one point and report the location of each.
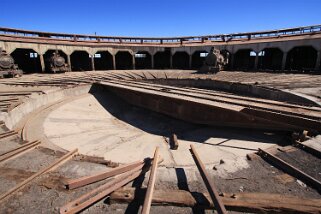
(256, 61)
(92, 62)
(152, 60)
(134, 61)
(69, 62)
(114, 61)
(190, 61)
(171, 61)
(285, 54)
(318, 62)
(42, 63)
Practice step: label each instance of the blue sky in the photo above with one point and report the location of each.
(158, 18)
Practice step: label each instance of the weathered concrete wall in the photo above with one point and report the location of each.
(256, 45)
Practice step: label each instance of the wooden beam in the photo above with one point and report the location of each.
(97, 194)
(286, 167)
(151, 184)
(18, 151)
(240, 202)
(43, 171)
(174, 142)
(211, 188)
(79, 182)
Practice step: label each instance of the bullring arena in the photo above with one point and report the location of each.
(133, 126)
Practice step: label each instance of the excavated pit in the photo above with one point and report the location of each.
(100, 123)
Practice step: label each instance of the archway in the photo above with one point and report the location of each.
(162, 59)
(244, 59)
(302, 58)
(80, 61)
(143, 60)
(198, 58)
(124, 60)
(27, 60)
(103, 60)
(49, 53)
(270, 59)
(181, 60)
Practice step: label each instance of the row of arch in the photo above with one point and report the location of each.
(299, 58)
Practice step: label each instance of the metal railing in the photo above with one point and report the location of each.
(161, 40)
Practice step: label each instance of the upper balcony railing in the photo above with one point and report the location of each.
(162, 40)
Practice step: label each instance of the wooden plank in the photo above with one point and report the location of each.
(286, 167)
(219, 206)
(79, 182)
(151, 184)
(18, 151)
(308, 149)
(37, 174)
(240, 202)
(174, 142)
(97, 194)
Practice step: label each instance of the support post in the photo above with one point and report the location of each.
(285, 54)
(42, 63)
(92, 62)
(190, 61)
(134, 61)
(69, 62)
(114, 62)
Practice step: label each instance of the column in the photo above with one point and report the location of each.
(134, 61)
(42, 63)
(317, 63)
(69, 62)
(114, 61)
(285, 54)
(152, 60)
(256, 62)
(92, 62)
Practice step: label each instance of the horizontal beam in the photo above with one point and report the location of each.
(240, 202)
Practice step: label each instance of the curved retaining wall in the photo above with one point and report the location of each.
(12, 118)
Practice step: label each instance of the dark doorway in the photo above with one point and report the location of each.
(162, 59)
(80, 61)
(27, 60)
(124, 60)
(103, 60)
(143, 60)
(181, 60)
(301, 58)
(198, 58)
(244, 59)
(270, 59)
